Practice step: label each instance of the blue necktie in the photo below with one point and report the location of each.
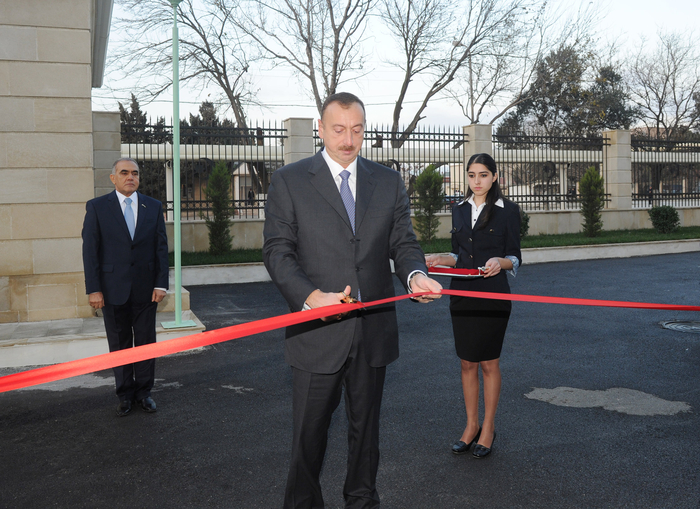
(348, 200)
(129, 217)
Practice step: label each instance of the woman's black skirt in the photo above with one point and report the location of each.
(479, 326)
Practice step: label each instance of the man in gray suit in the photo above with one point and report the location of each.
(333, 222)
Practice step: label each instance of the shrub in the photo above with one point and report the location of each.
(524, 224)
(592, 194)
(218, 192)
(430, 200)
(664, 218)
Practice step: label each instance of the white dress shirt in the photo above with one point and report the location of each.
(134, 204)
(336, 169)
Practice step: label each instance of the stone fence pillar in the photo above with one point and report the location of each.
(619, 166)
(479, 140)
(299, 142)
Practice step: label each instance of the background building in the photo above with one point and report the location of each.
(51, 56)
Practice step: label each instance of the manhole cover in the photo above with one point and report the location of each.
(680, 326)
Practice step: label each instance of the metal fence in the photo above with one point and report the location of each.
(427, 145)
(543, 172)
(251, 155)
(665, 172)
(537, 172)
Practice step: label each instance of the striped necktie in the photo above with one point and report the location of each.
(349, 203)
(346, 195)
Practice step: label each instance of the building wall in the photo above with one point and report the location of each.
(45, 156)
(106, 141)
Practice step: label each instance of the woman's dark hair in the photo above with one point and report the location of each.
(494, 193)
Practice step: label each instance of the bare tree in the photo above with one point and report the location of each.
(436, 52)
(498, 80)
(321, 40)
(211, 50)
(503, 71)
(666, 85)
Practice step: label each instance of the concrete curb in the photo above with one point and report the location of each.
(602, 251)
(222, 274)
(256, 272)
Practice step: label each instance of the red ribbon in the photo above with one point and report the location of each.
(450, 271)
(110, 360)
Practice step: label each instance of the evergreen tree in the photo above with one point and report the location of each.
(135, 129)
(133, 122)
(570, 97)
(592, 201)
(218, 192)
(430, 200)
(609, 102)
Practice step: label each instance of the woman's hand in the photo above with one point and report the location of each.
(432, 260)
(435, 259)
(493, 267)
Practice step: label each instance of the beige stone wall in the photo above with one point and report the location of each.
(569, 221)
(247, 234)
(630, 219)
(194, 235)
(45, 156)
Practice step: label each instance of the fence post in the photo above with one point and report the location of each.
(619, 168)
(478, 139)
(299, 141)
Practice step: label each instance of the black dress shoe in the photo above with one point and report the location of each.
(124, 408)
(481, 451)
(148, 404)
(460, 447)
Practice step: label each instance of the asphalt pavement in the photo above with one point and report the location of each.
(599, 409)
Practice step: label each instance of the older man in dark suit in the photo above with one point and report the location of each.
(333, 223)
(125, 258)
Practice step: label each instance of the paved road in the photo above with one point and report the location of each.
(221, 436)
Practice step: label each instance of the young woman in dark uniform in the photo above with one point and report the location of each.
(485, 233)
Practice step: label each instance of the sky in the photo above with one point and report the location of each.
(626, 21)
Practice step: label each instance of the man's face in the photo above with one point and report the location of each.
(342, 130)
(126, 180)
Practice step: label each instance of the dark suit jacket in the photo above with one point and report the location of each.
(309, 244)
(500, 237)
(116, 265)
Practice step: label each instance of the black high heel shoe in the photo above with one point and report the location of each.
(460, 447)
(481, 451)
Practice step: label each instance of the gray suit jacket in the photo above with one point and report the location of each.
(309, 244)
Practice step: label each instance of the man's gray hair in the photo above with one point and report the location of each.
(114, 166)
